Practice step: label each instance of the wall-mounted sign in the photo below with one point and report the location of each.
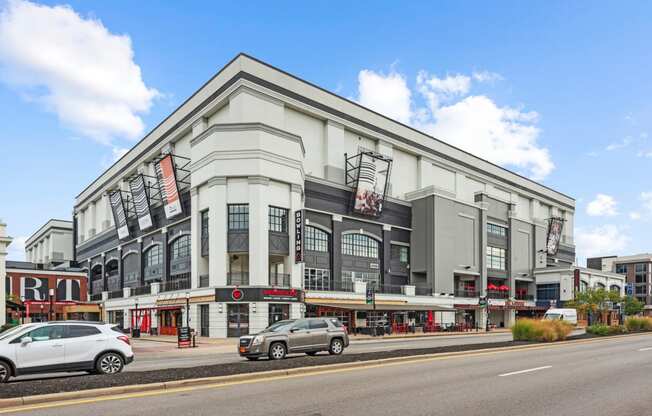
(555, 227)
(298, 236)
(141, 202)
(167, 181)
(373, 179)
(119, 214)
(258, 294)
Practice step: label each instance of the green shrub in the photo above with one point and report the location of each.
(598, 329)
(617, 329)
(636, 323)
(533, 330)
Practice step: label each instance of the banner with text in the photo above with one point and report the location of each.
(119, 214)
(554, 235)
(141, 202)
(373, 178)
(167, 180)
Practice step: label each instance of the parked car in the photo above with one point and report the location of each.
(566, 315)
(63, 346)
(310, 336)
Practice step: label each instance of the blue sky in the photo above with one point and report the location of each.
(555, 83)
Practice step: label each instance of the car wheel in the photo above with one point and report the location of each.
(5, 372)
(109, 363)
(277, 351)
(252, 358)
(337, 346)
(312, 353)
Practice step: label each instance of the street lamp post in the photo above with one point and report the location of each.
(135, 320)
(41, 316)
(22, 312)
(52, 306)
(188, 309)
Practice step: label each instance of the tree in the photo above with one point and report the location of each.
(632, 306)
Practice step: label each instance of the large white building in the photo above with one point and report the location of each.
(266, 164)
(52, 244)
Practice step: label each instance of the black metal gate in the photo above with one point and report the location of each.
(204, 320)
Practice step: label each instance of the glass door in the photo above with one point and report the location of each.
(237, 319)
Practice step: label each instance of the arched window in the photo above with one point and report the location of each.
(583, 286)
(316, 239)
(599, 285)
(181, 247)
(614, 288)
(153, 256)
(359, 245)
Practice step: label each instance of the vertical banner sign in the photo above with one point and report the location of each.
(167, 181)
(119, 214)
(298, 236)
(373, 177)
(554, 235)
(576, 279)
(141, 202)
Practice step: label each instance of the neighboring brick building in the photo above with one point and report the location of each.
(637, 269)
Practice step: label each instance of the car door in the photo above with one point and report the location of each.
(318, 333)
(299, 336)
(83, 343)
(44, 353)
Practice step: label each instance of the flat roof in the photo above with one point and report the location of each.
(52, 223)
(254, 70)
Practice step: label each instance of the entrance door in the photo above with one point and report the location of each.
(278, 312)
(237, 319)
(204, 320)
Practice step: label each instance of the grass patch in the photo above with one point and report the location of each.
(638, 323)
(541, 331)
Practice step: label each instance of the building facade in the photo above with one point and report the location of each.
(264, 197)
(560, 284)
(637, 270)
(5, 240)
(52, 244)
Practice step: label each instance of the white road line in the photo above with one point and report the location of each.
(524, 371)
(646, 349)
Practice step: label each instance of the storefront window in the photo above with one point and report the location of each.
(359, 245)
(316, 239)
(317, 279)
(237, 319)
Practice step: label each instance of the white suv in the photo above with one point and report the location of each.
(63, 346)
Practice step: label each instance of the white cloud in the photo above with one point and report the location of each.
(75, 67)
(635, 215)
(646, 198)
(475, 123)
(619, 145)
(602, 206)
(486, 76)
(604, 240)
(387, 94)
(16, 250)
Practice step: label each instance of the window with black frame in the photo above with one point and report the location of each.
(238, 217)
(359, 245)
(181, 247)
(153, 256)
(315, 239)
(278, 219)
(204, 233)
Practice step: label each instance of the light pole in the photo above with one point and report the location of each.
(135, 320)
(22, 312)
(41, 316)
(188, 309)
(52, 306)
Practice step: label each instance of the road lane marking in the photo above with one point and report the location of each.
(529, 370)
(224, 384)
(646, 349)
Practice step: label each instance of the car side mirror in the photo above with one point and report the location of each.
(293, 330)
(26, 340)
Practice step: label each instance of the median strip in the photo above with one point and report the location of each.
(529, 370)
(645, 349)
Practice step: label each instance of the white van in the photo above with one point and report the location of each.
(566, 315)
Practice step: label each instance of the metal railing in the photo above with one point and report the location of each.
(141, 290)
(343, 286)
(96, 296)
(465, 293)
(237, 279)
(172, 285)
(279, 279)
(422, 291)
(497, 294)
(116, 294)
(523, 297)
(203, 280)
(387, 288)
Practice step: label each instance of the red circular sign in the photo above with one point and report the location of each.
(237, 294)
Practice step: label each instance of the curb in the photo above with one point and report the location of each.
(217, 380)
(352, 339)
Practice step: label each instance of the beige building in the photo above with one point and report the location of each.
(52, 244)
(5, 240)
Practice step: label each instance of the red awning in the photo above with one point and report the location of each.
(491, 286)
(504, 288)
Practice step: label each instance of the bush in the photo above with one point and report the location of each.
(636, 323)
(546, 331)
(598, 329)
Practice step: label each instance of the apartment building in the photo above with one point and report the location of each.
(264, 197)
(637, 270)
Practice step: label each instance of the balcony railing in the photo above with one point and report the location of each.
(497, 294)
(141, 290)
(524, 297)
(279, 279)
(343, 286)
(96, 296)
(387, 288)
(203, 280)
(237, 279)
(422, 291)
(172, 285)
(466, 293)
(116, 294)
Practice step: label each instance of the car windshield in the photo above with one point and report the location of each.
(552, 316)
(278, 326)
(13, 331)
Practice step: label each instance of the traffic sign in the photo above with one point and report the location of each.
(629, 289)
(370, 296)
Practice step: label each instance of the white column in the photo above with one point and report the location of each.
(92, 230)
(217, 326)
(424, 172)
(334, 152)
(258, 231)
(217, 231)
(295, 270)
(195, 237)
(5, 240)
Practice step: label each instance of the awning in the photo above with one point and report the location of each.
(381, 307)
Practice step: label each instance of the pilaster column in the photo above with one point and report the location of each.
(483, 262)
(334, 152)
(258, 231)
(387, 254)
(336, 249)
(165, 275)
(195, 237)
(217, 231)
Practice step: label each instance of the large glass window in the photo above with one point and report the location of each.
(278, 219)
(496, 230)
(548, 292)
(181, 247)
(238, 216)
(204, 233)
(641, 267)
(359, 245)
(153, 256)
(316, 239)
(372, 279)
(404, 254)
(496, 258)
(621, 268)
(317, 279)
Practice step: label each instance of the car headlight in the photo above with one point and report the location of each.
(257, 341)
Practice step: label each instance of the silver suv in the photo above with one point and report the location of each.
(310, 335)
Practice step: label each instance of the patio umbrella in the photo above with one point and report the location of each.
(503, 288)
(491, 286)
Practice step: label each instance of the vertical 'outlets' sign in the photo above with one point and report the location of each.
(141, 202)
(298, 236)
(373, 177)
(119, 214)
(554, 235)
(167, 180)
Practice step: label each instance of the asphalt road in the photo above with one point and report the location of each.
(606, 377)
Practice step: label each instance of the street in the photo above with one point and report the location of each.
(603, 377)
